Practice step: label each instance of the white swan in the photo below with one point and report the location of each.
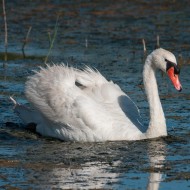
(81, 105)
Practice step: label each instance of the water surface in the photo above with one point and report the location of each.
(106, 35)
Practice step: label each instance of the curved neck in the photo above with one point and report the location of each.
(157, 125)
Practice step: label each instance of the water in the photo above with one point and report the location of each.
(106, 35)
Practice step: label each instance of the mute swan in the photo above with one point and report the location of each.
(81, 105)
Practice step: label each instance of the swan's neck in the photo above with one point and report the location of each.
(157, 125)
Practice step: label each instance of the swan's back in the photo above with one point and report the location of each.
(81, 105)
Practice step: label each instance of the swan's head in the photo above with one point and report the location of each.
(166, 61)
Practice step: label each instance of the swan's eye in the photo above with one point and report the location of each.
(171, 64)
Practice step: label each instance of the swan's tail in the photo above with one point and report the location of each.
(26, 115)
(13, 100)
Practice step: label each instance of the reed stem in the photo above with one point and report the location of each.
(5, 26)
(52, 39)
(26, 41)
(157, 41)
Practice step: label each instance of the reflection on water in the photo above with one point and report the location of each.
(46, 164)
(157, 154)
(106, 35)
(67, 165)
(112, 175)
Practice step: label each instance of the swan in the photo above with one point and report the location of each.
(81, 105)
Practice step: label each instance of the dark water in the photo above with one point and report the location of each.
(106, 35)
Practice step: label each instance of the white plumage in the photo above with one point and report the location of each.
(81, 105)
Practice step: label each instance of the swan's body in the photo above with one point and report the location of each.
(81, 105)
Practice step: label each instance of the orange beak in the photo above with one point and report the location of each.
(174, 78)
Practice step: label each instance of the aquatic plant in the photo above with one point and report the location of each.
(52, 39)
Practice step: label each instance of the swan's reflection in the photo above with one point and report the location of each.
(120, 174)
(156, 153)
